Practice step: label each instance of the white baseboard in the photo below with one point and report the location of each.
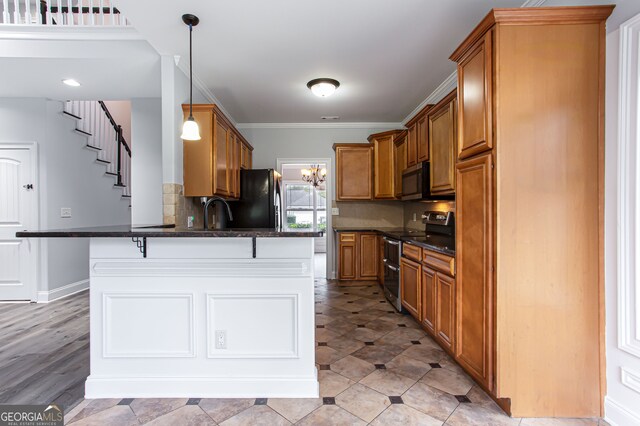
(64, 291)
(618, 415)
(205, 387)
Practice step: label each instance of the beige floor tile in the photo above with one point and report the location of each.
(345, 344)
(327, 355)
(70, 414)
(294, 409)
(331, 384)
(477, 415)
(147, 409)
(375, 354)
(401, 414)
(189, 415)
(408, 367)
(424, 353)
(366, 335)
(480, 397)
(331, 415)
(363, 402)
(381, 325)
(352, 367)
(90, 406)
(387, 383)
(322, 319)
(559, 422)
(431, 401)
(258, 415)
(341, 326)
(448, 381)
(220, 409)
(428, 341)
(120, 415)
(325, 335)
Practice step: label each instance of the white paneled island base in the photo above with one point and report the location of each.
(202, 318)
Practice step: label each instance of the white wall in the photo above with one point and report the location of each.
(621, 284)
(121, 113)
(68, 177)
(146, 161)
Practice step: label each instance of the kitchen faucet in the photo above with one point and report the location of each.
(210, 201)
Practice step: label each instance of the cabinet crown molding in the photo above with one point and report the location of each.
(419, 115)
(533, 16)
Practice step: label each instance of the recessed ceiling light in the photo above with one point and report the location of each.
(323, 87)
(71, 82)
(330, 117)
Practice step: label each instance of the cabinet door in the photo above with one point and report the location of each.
(347, 256)
(198, 155)
(474, 257)
(237, 164)
(368, 256)
(429, 299)
(222, 151)
(442, 142)
(475, 126)
(412, 145)
(245, 157)
(383, 168)
(400, 158)
(422, 139)
(380, 260)
(445, 314)
(410, 286)
(354, 172)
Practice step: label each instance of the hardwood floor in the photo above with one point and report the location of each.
(44, 351)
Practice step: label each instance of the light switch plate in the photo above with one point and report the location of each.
(65, 212)
(335, 211)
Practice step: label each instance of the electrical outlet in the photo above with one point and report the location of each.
(221, 339)
(65, 212)
(335, 211)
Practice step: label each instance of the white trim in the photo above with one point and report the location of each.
(328, 125)
(46, 32)
(628, 197)
(617, 414)
(630, 379)
(533, 3)
(64, 291)
(440, 92)
(330, 267)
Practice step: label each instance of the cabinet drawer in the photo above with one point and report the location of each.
(439, 262)
(412, 252)
(347, 237)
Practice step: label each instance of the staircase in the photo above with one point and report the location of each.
(61, 13)
(104, 136)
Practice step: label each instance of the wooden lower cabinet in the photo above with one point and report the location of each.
(410, 286)
(428, 284)
(444, 310)
(474, 271)
(358, 256)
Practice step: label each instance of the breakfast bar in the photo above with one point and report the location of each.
(199, 314)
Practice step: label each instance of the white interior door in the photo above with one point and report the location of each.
(17, 204)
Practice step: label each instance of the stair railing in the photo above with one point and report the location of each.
(121, 143)
(61, 12)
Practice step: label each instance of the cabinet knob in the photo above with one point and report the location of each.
(28, 186)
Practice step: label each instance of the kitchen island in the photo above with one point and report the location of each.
(199, 314)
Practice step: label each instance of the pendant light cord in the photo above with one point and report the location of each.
(190, 72)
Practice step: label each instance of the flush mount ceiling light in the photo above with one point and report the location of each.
(190, 130)
(71, 82)
(323, 87)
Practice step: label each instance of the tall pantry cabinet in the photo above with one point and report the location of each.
(529, 209)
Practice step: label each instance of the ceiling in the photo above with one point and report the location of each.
(256, 57)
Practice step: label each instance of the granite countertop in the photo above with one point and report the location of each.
(164, 231)
(439, 243)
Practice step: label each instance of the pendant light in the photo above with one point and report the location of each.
(190, 130)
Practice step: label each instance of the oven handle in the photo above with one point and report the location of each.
(392, 242)
(393, 268)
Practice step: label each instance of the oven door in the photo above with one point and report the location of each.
(392, 285)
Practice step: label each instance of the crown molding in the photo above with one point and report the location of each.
(353, 125)
(441, 91)
(50, 32)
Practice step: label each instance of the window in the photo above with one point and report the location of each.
(305, 206)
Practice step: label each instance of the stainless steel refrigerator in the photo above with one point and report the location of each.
(260, 203)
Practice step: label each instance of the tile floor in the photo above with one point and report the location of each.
(375, 367)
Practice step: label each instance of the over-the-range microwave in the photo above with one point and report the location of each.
(415, 184)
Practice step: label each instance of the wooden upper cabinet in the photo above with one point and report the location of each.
(475, 94)
(474, 269)
(412, 145)
(400, 159)
(246, 155)
(368, 256)
(384, 164)
(428, 284)
(422, 139)
(354, 171)
(410, 286)
(212, 164)
(442, 143)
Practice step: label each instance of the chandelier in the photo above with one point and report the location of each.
(314, 175)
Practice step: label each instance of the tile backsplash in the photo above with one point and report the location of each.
(381, 214)
(419, 207)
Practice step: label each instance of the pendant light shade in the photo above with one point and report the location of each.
(190, 130)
